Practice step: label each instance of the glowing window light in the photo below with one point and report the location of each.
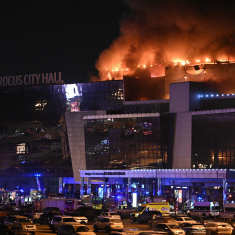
(71, 91)
(134, 199)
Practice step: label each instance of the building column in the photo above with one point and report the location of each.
(128, 188)
(225, 184)
(88, 186)
(82, 187)
(60, 184)
(159, 186)
(182, 148)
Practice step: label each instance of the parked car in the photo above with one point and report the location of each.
(87, 211)
(59, 220)
(108, 224)
(84, 230)
(170, 228)
(148, 216)
(65, 229)
(184, 219)
(10, 220)
(23, 228)
(4, 229)
(197, 229)
(218, 228)
(111, 214)
(81, 219)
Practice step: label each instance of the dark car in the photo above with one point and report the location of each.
(52, 210)
(197, 229)
(89, 212)
(5, 230)
(148, 216)
(66, 229)
(46, 218)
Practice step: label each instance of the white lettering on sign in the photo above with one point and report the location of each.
(31, 79)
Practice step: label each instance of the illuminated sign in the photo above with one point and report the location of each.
(31, 79)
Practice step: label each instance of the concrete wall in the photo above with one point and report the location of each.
(180, 97)
(180, 105)
(182, 147)
(75, 130)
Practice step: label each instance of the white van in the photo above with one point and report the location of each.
(205, 209)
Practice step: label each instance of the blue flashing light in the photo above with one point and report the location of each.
(37, 174)
(212, 95)
(222, 95)
(202, 96)
(21, 190)
(119, 197)
(198, 96)
(228, 94)
(200, 199)
(217, 95)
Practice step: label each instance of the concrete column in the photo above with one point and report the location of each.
(60, 184)
(88, 186)
(225, 184)
(159, 186)
(82, 187)
(128, 188)
(182, 148)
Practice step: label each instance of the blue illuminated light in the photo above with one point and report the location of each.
(37, 174)
(228, 94)
(198, 96)
(200, 199)
(212, 95)
(217, 95)
(222, 95)
(21, 190)
(207, 95)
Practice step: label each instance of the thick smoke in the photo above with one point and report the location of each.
(159, 31)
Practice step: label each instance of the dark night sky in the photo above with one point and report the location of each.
(60, 37)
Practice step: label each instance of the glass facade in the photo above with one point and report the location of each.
(106, 95)
(213, 141)
(124, 143)
(33, 138)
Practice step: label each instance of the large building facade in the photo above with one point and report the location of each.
(158, 146)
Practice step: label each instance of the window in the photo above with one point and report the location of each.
(22, 148)
(40, 105)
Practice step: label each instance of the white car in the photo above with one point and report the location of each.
(218, 228)
(171, 228)
(111, 214)
(116, 225)
(185, 219)
(197, 229)
(84, 230)
(81, 219)
(59, 220)
(108, 224)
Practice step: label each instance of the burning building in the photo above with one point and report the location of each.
(173, 41)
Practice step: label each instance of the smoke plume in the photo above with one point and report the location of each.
(165, 31)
